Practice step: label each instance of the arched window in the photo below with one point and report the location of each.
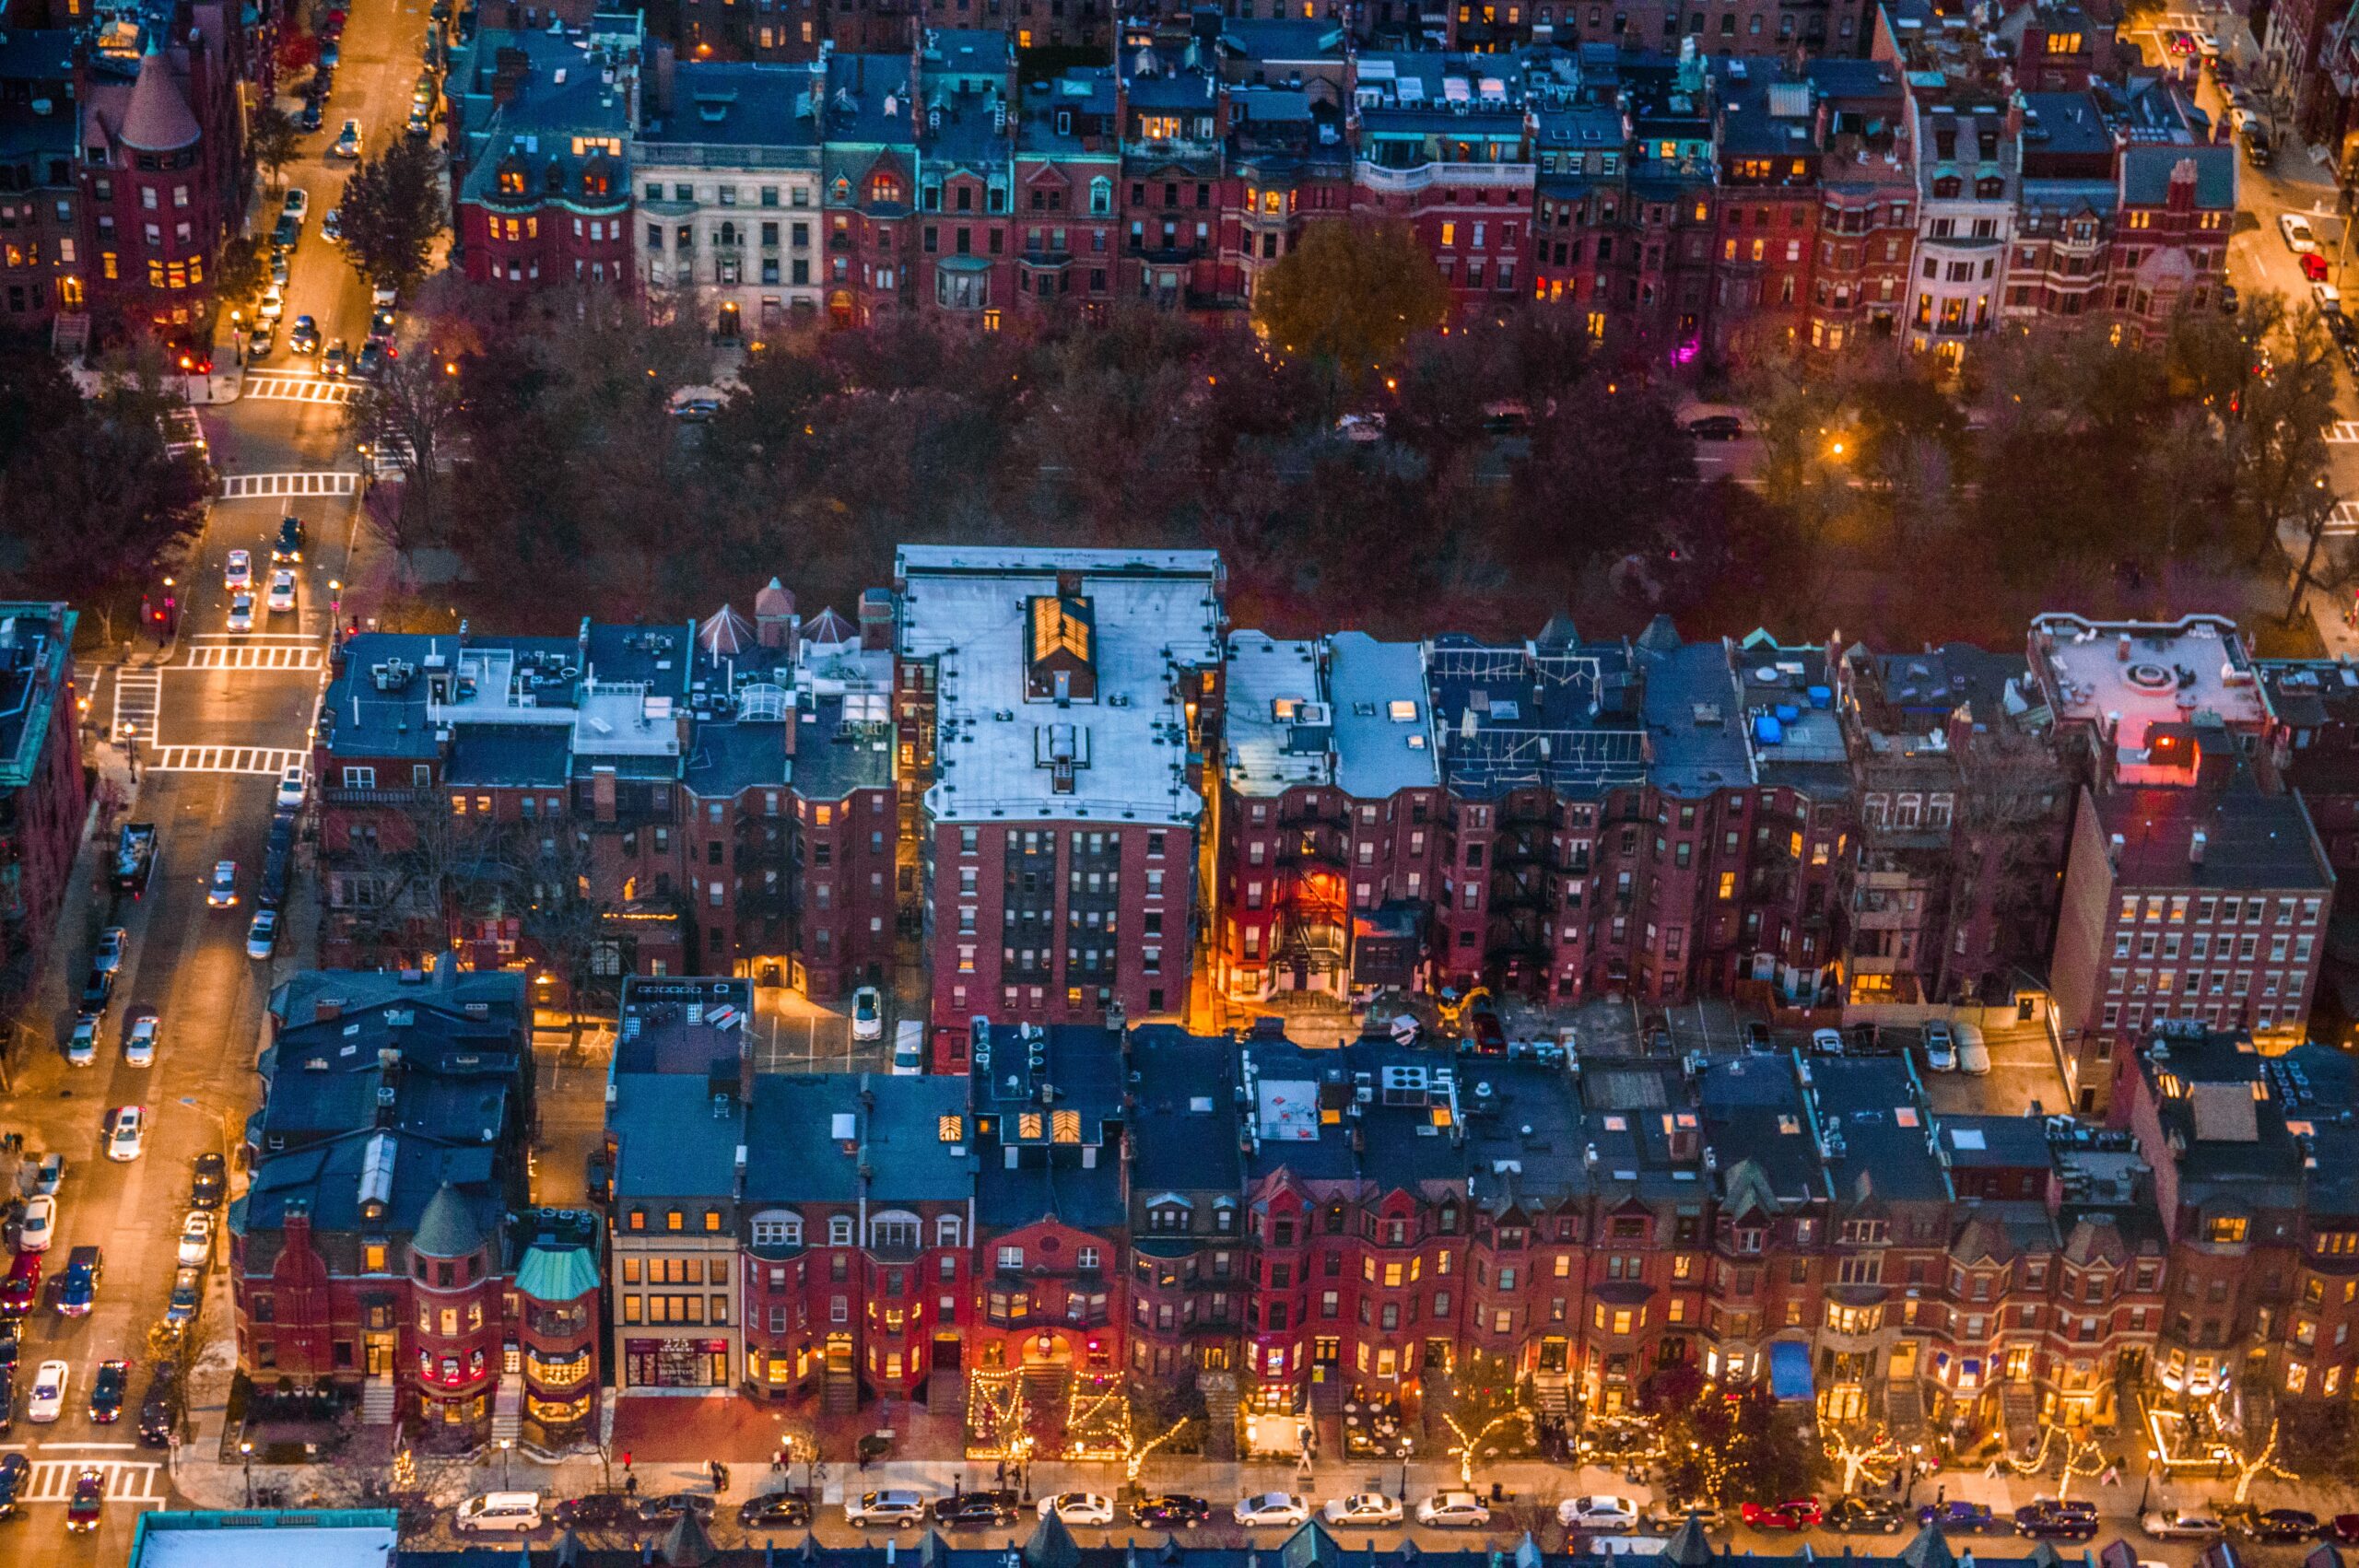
(1101, 198)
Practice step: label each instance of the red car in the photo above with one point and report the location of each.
(22, 1287)
(2314, 266)
(1797, 1514)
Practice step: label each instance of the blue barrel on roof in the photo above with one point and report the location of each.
(1767, 730)
(1822, 697)
(1788, 712)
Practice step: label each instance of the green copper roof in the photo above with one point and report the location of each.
(556, 1274)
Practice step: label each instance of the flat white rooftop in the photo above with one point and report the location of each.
(1124, 748)
(1280, 728)
(2145, 673)
(347, 1538)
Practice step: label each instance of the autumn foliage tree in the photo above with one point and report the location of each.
(1349, 295)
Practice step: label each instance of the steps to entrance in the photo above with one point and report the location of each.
(508, 1409)
(377, 1401)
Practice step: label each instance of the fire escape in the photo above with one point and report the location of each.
(1523, 893)
(1312, 939)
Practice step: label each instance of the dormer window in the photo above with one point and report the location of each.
(512, 180)
(884, 187)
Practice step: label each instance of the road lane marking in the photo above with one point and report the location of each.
(260, 762)
(137, 695)
(2342, 431)
(127, 1481)
(2341, 521)
(252, 657)
(297, 389)
(254, 487)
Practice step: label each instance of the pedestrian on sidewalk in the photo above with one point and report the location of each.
(631, 1486)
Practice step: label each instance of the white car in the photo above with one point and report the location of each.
(2296, 229)
(290, 789)
(1362, 1508)
(1272, 1508)
(1940, 1048)
(241, 611)
(2205, 44)
(282, 591)
(2183, 1524)
(867, 1015)
(298, 204)
(1826, 1042)
(1079, 1508)
(1453, 1510)
(902, 1509)
(241, 572)
(126, 1133)
(1603, 1511)
(49, 1391)
(196, 1239)
(1972, 1055)
(261, 936)
(38, 1229)
(274, 303)
(139, 1040)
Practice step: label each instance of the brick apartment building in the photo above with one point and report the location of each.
(629, 800)
(41, 794)
(1055, 713)
(385, 1249)
(2194, 888)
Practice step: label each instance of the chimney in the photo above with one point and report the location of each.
(877, 618)
(2121, 648)
(2113, 851)
(510, 68)
(325, 1008)
(2196, 846)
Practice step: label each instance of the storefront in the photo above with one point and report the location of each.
(675, 1363)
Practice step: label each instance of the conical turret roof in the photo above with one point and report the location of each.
(158, 119)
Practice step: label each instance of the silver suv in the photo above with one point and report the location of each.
(901, 1510)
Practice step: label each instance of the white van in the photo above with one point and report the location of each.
(909, 1047)
(497, 1511)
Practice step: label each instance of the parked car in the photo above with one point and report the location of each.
(139, 1039)
(1605, 1511)
(2181, 1524)
(517, 1511)
(667, 1506)
(2296, 230)
(1453, 1510)
(48, 1399)
(1361, 1508)
(160, 1410)
(309, 117)
(2282, 1525)
(1172, 1509)
(1940, 1048)
(1757, 1037)
(596, 1511)
(1717, 428)
(2051, 1520)
(2345, 1527)
(1795, 1513)
(900, 1508)
(370, 363)
(1956, 1518)
(1866, 1516)
(1669, 1514)
(1826, 1042)
(38, 1229)
(986, 1510)
(195, 1247)
(107, 956)
(82, 1041)
(1079, 1508)
(262, 934)
(1972, 1055)
(867, 1015)
(774, 1509)
(187, 1298)
(107, 1390)
(89, 1501)
(21, 1289)
(1272, 1508)
(208, 1181)
(50, 1174)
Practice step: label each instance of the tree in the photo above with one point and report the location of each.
(393, 210)
(1349, 295)
(562, 914)
(1486, 1413)
(1609, 472)
(244, 264)
(2277, 444)
(2074, 1456)
(1860, 1454)
(408, 416)
(274, 139)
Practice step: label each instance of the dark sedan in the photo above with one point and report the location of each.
(1173, 1509)
(1865, 1515)
(16, 1472)
(596, 1511)
(89, 1501)
(977, 1509)
(2057, 1521)
(672, 1504)
(106, 1391)
(776, 1509)
(2282, 1525)
(1956, 1518)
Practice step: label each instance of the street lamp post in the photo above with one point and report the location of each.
(505, 1445)
(246, 1453)
(2146, 1487)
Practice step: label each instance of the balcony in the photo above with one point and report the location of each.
(337, 795)
(1419, 177)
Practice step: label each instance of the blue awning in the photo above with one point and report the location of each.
(1789, 1370)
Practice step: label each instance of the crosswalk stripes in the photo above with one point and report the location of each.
(2343, 432)
(128, 1480)
(137, 695)
(299, 389)
(260, 761)
(252, 656)
(2341, 521)
(253, 486)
